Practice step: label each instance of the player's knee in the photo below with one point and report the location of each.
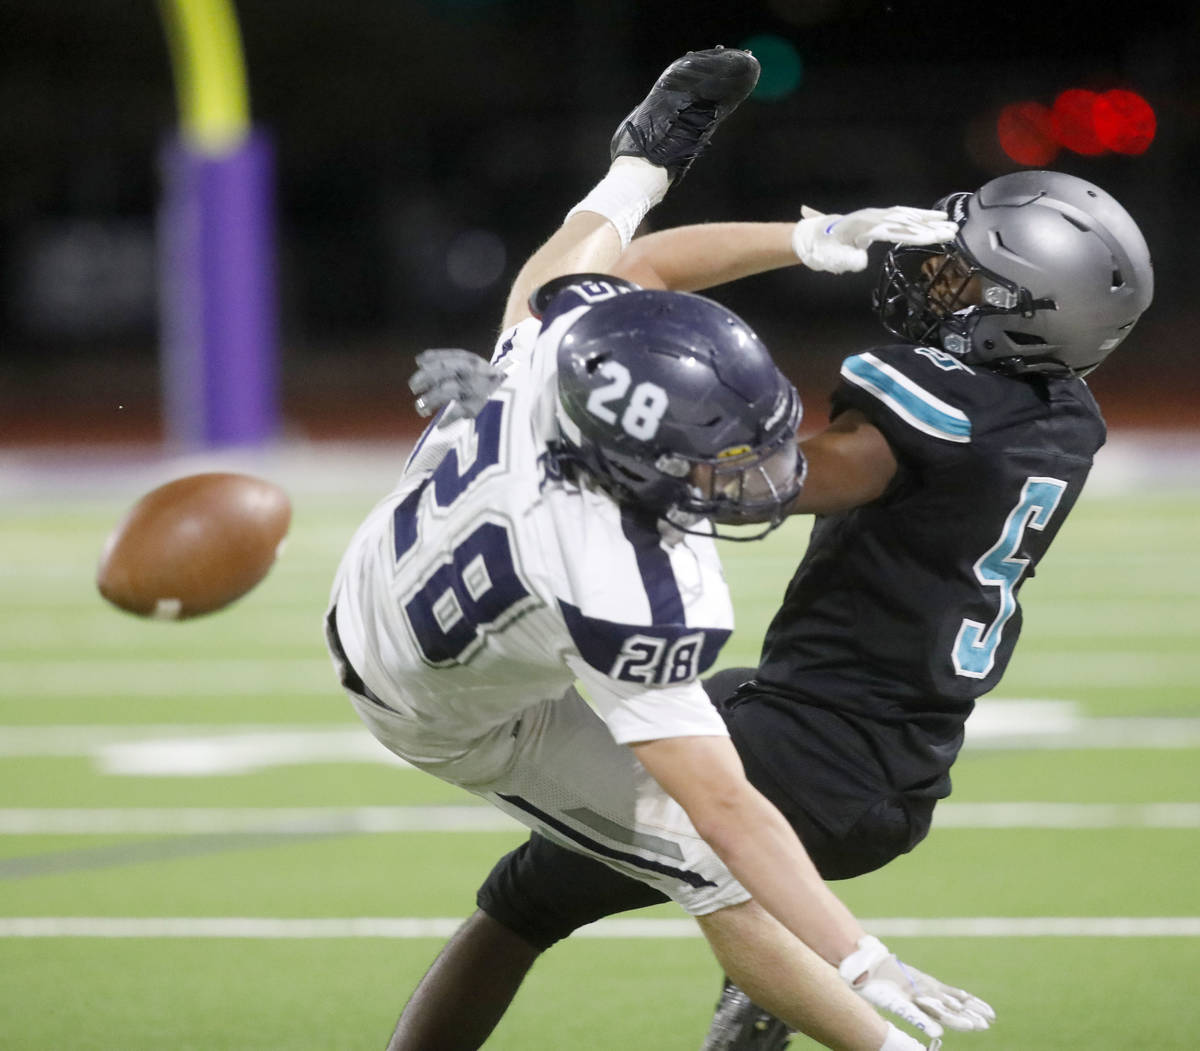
(542, 892)
(889, 828)
(503, 897)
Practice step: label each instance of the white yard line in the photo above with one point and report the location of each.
(72, 821)
(49, 677)
(1067, 815)
(188, 676)
(1065, 669)
(406, 927)
(198, 751)
(1088, 734)
(276, 820)
(210, 750)
(82, 739)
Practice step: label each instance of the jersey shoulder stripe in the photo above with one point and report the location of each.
(654, 565)
(906, 398)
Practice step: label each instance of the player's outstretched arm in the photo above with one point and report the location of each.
(704, 255)
(850, 463)
(773, 945)
(691, 258)
(705, 776)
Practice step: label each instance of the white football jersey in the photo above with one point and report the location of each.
(486, 583)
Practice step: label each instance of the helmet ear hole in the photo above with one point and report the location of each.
(1023, 339)
(626, 473)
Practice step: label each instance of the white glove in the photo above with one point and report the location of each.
(447, 375)
(838, 243)
(914, 997)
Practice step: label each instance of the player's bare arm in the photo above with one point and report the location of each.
(850, 463)
(691, 258)
(704, 775)
(704, 255)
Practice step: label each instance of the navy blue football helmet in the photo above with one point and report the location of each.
(671, 402)
(1048, 273)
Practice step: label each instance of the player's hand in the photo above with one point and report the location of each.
(839, 243)
(914, 997)
(456, 378)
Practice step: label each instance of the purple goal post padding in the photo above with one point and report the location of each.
(218, 305)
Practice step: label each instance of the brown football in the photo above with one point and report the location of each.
(194, 545)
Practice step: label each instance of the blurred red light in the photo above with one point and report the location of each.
(1073, 121)
(1124, 121)
(1025, 133)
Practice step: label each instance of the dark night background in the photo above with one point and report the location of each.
(424, 148)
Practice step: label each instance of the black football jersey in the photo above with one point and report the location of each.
(905, 610)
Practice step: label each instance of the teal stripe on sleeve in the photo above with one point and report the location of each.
(907, 399)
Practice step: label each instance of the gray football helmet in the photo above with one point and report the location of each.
(1048, 273)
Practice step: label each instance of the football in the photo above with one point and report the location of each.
(194, 545)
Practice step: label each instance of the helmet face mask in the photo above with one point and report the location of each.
(939, 295)
(740, 487)
(672, 404)
(1047, 274)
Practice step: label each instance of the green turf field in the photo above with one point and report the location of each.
(201, 848)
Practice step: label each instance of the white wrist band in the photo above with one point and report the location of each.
(869, 952)
(630, 189)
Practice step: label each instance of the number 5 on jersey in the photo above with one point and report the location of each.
(1002, 567)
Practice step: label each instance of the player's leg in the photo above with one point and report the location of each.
(586, 242)
(739, 1024)
(542, 892)
(518, 918)
(481, 966)
(653, 147)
